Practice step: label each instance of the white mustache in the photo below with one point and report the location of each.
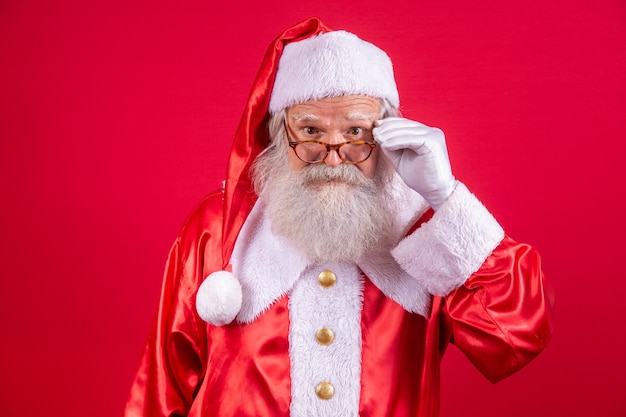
(349, 174)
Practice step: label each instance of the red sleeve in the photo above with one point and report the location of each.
(501, 317)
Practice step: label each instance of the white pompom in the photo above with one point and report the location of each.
(218, 299)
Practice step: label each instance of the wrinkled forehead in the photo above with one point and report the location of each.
(346, 108)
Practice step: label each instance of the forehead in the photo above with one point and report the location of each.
(353, 107)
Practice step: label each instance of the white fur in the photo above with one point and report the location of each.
(312, 307)
(218, 299)
(386, 274)
(266, 265)
(330, 65)
(446, 250)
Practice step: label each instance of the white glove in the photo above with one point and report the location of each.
(419, 155)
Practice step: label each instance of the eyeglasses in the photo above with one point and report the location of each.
(313, 151)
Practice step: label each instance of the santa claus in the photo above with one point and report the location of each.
(341, 257)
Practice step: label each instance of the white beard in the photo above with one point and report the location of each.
(330, 213)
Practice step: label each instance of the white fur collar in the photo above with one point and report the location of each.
(267, 266)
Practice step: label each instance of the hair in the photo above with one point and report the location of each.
(277, 151)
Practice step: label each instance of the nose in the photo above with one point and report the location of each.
(332, 159)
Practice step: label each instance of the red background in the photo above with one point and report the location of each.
(116, 118)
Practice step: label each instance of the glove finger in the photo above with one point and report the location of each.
(410, 134)
(411, 139)
(390, 121)
(385, 126)
(399, 143)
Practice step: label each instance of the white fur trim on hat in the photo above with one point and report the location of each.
(218, 299)
(330, 65)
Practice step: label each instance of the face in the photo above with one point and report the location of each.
(333, 121)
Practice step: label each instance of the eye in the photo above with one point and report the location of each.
(310, 130)
(355, 131)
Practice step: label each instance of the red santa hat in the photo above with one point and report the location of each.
(308, 61)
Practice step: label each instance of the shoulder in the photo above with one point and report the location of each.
(202, 230)
(204, 215)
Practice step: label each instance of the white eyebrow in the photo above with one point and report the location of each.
(353, 116)
(357, 115)
(306, 117)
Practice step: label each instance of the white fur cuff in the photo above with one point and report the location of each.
(446, 250)
(218, 299)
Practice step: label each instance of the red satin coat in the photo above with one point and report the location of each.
(500, 318)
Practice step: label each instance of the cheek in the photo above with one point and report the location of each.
(294, 162)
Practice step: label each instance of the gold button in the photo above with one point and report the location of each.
(327, 279)
(325, 390)
(325, 336)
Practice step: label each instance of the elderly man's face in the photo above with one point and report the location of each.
(333, 121)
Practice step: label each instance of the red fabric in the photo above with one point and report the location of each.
(500, 319)
(251, 136)
(491, 314)
(247, 368)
